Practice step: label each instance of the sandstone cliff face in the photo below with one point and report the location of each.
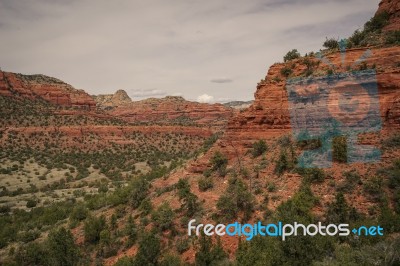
(172, 109)
(270, 114)
(44, 87)
(393, 8)
(120, 97)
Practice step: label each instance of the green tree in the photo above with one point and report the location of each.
(259, 148)
(92, 228)
(163, 217)
(62, 248)
(236, 198)
(219, 162)
(291, 55)
(139, 190)
(149, 250)
(331, 43)
(209, 254)
(338, 211)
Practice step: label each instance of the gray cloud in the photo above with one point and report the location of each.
(221, 80)
(171, 45)
(147, 93)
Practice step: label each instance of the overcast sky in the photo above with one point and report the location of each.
(215, 50)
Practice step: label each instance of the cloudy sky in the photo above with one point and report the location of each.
(214, 50)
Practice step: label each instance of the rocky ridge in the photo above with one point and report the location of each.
(43, 87)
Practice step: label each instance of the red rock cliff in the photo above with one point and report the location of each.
(50, 89)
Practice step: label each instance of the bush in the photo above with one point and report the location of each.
(62, 248)
(377, 22)
(393, 37)
(392, 142)
(352, 178)
(182, 244)
(139, 189)
(209, 254)
(339, 145)
(338, 211)
(131, 231)
(291, 55)
(312, 174)
(374, 188)
(205, 183)
(331, 44)
(357, 37)
(92, 228)
(259, 148)
(286, 72)
(163, 217)
(149, 250)
(236, 198)
(79, 213)
(31, 203)
(282, 164)
(219, 163)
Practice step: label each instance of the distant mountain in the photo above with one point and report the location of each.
(240, 105)
(120, 97)
(173, 110)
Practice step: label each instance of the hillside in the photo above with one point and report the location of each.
(118, 184)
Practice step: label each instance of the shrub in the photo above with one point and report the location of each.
(338, 211)
(227, 206)
(31, 203)
(374, 188)
(219, 163)
(352, 178)
(79, 213)
(62, 248)
(376, 23)
(393, 37)
(271, 187)
(182, 244)
(312, 174)
(205, 183)
(131, 231)
(282, 164)
(331, 44)
(392, 142)
(259, 148)
(291, 55)
(339, 145)
(286, 72)
(163, 217)
(209, 254)
(139, 189)
(149, 250)
(189, 200)
(92, 228)
(146, 207)
(236, 198)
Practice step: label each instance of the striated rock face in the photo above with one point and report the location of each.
(173, 109)
(50, 89)
(120, 97)
(269, 116)
(393, 8)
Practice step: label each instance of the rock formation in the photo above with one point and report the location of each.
(43, 87)
(120, 97)
(175, 110)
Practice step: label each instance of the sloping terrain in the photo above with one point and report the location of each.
(249, 174)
